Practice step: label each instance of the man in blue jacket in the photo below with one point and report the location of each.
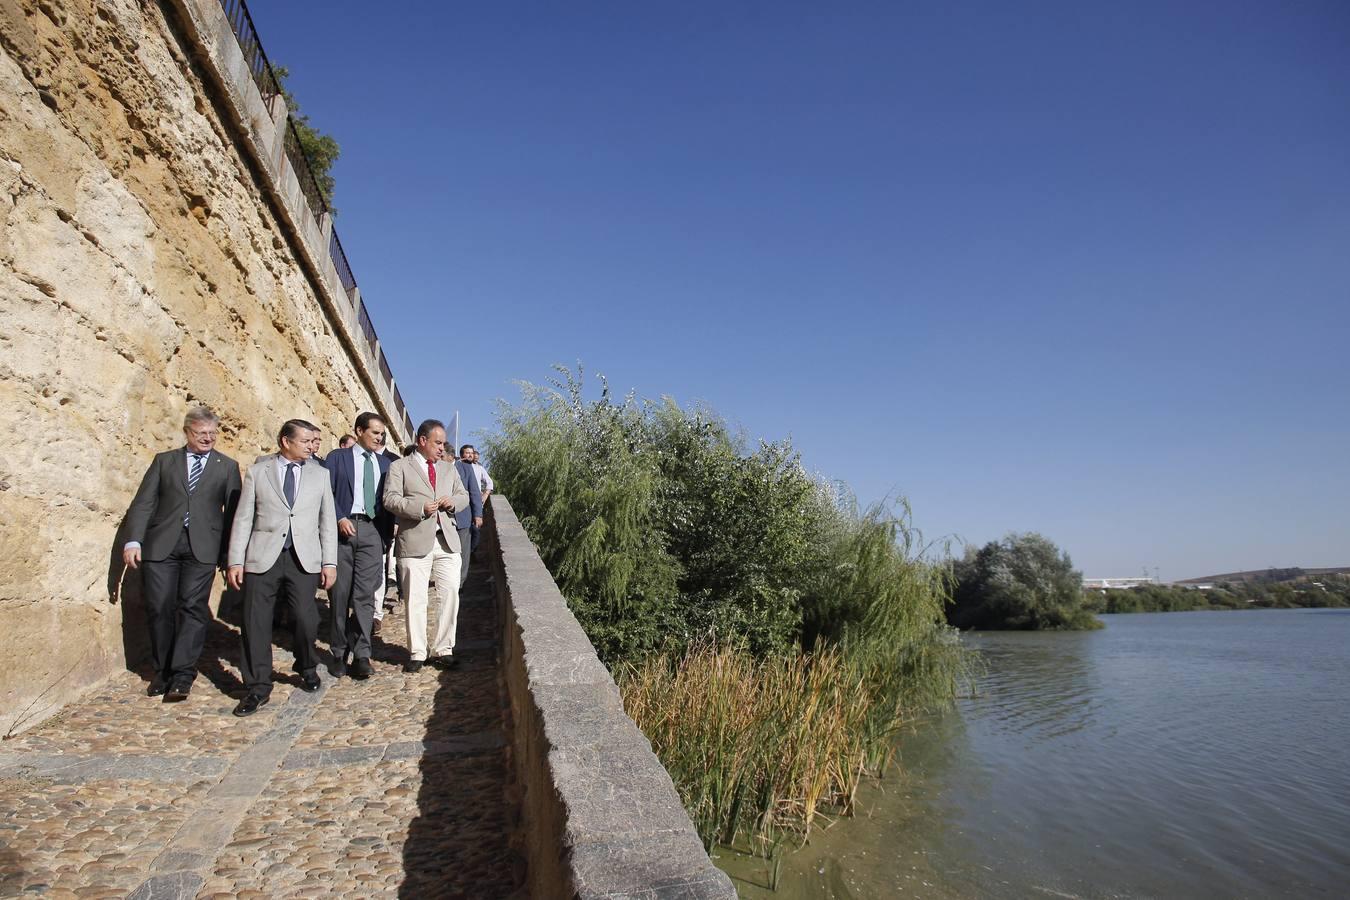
(364, 530)
(467, 521)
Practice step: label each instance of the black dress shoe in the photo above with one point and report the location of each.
(157, 687)
(361, 669)
(337, 668)
(249, 705)
(178, 691)
(446, 662)
(309, 683)
(375, 626)
(413, 667)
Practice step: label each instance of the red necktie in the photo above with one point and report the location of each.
(431, 474)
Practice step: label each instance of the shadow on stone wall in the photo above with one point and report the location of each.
(124, 589)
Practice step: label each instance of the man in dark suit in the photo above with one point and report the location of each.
(178, 528)
(364, 530)
(468, 521)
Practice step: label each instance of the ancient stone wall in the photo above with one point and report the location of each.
(144, 268)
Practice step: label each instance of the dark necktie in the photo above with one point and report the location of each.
(431, 474)
(369, 485)
(288, 488)
(193, 477)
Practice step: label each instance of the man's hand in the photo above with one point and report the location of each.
(346, 527)
(446, 503)
(328, 577)
(235, 577)
(131, 557)
(429, 509)
(477, 521)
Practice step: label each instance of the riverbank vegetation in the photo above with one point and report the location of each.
(1020, 582)
(1296, 590)
(768, 636)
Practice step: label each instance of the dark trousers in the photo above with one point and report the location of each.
(351, 602)
(285, 580)
(177, 599)
(466, 537)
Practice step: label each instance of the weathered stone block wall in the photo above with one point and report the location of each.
(143, 269)
(601, 817)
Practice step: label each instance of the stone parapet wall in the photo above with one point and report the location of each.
(601, 817)
(154, 254)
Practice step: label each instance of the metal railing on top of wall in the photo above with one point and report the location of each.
(241, 23)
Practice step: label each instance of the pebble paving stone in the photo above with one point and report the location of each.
(394, 786)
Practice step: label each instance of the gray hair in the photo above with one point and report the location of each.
(200, 414)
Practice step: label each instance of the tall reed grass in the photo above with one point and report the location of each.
(759, 748)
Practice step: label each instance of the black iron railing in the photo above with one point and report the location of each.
(304, 173)
(340, 263)
(241, 23)
(269, 86)
(367, 328)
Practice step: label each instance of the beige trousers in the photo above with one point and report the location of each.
(413, 574)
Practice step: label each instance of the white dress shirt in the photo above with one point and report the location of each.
(282, 463)
(359, 479)
(484, 480)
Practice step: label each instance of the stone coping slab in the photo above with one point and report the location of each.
(601, 816)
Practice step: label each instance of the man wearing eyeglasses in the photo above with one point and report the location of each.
(177, 530)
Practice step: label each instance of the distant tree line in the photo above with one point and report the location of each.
(1279, 589)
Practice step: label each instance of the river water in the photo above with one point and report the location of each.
(1171, 755)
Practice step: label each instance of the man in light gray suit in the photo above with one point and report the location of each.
(285, 539)
(424, 492)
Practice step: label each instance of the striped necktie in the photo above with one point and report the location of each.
(193, 477)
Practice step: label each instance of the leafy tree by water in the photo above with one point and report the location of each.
(1020, 582)
(664, 525)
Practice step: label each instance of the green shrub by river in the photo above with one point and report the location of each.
(769, 637)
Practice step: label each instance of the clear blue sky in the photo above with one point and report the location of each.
(1078, 268)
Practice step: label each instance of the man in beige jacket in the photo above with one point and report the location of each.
(424, 492)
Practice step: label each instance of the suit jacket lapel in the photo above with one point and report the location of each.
(270, 476)
(181, 459)
(421, 462)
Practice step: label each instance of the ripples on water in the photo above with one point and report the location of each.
(1180, 754)
(1186, 755)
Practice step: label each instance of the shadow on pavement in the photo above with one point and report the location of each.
(460, 844)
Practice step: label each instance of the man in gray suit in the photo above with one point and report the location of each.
(424, 492)
(285, 539)
(177, 526)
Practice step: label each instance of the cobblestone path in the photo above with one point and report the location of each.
(395, 786)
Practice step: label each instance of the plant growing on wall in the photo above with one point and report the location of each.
(321, 149)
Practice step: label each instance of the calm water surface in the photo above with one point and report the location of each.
(1168, 755)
